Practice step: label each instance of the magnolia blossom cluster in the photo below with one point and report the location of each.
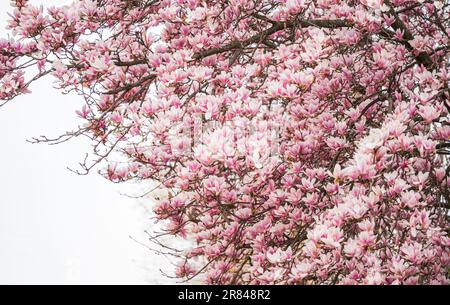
(297, 141)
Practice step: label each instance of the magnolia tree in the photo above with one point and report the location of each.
(296, 141)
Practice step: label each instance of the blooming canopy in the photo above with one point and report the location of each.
(297, 141)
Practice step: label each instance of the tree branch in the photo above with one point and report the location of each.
(422, 58)
(277, 26)
(131, 86)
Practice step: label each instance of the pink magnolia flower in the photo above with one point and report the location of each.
(84, 112)
(117, 118)
(429, 113)
(99, 64)
(410, 199)
(214, 184)
(244, 213)
(352, 248)
(333, 237)
(412, 252)
(301, 270)
(279, 255)
(366, 239)
(376, 4)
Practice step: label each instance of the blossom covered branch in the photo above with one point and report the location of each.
(296, 141)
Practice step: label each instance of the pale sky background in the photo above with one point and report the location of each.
(57, 227)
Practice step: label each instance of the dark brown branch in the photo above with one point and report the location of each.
(443, 145)
(277, 26)
(422, 58)
(131, 86)
(130, 63)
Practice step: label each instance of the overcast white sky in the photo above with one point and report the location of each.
(57, 227)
